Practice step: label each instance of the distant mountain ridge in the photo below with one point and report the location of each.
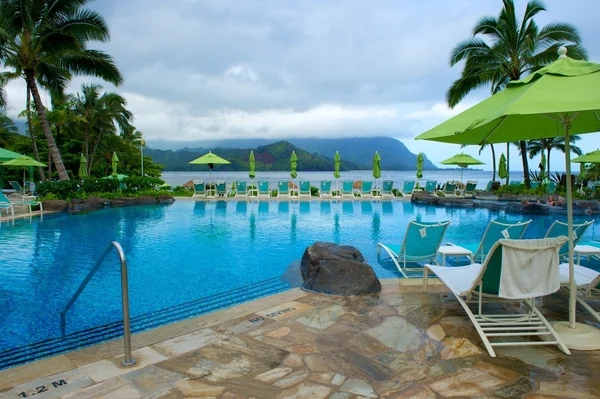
(356, 153)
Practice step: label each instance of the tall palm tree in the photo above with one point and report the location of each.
(536, 147)
(45, 43)
(132, 137)
(100, 114)
(502, 49)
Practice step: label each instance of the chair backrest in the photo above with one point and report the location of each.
(325, 186)
(4, 199)
(367, 186)
(241, 187)
(496, 231)
(551, 187)
(221, 186)
(534, 184)
(488, 187)
(470, 187)
(15, 185)
(423, 239)
(430, 186)
(559, 228)
(199, 187)
(387, 187)
(283, 187)
(263, 187)
(347, 186)
(449, 187)
(534, 257)
(304, 187)
(408, 187)
(515, 183)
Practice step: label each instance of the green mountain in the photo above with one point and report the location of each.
(271, 157)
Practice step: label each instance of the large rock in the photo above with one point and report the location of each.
(333, 269)
(55, 205)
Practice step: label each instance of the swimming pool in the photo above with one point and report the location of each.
(208, 254)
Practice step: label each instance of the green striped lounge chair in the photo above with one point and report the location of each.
(7, 204)
(588, 285)
(241, 189)
(386, 189)
(430, 186)
(347, 189)
(470, 187)
(558, 229)
(366, 189)
(408, 187)
(494, 232)
(325, 191)
(304, 189)
(515, 271)
(199, 189)
(421, 243)
(263, 189)
(283, 189)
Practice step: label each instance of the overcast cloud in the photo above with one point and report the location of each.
(240, 69)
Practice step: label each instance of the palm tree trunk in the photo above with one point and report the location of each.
(52, 148)
(493, 162)
(36, 154)
(95, 147)
(523, 146)
(548, 162)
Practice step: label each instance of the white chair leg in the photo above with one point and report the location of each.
(589, 309)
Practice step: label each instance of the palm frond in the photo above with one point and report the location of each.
(531, 10)
(85, 25)
(467, 48)
(94, 63)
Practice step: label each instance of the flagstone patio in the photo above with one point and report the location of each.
(397, 344)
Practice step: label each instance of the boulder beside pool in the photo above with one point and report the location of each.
(333, 269)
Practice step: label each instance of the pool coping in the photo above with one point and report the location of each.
(82, 359)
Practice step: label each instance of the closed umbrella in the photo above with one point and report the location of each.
(376, 166)
(557, 100)
(115, 163)
(502, 172)
(82, 167)
(251, 165)
(462, 160)
(543, 165)
(293, 165)
(336, 168)
(420, 160)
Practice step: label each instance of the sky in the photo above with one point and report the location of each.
(198, 70)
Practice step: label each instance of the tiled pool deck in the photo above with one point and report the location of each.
(398, 344)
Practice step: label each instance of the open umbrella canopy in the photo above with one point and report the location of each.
(463, 160)
(118, 176)
(376, 165)
(210, 159)
(590, 157)
(23, 161)
(293, 165)
(420, 160)
(561, 99)
(502, 171)
(7, 155)
(82, 167)
(336, 165)
(251, 165)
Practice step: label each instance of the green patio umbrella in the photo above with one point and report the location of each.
(6, 155)
(115, 163)
(502, 172)
(462, 160)
(590, 157)
(558, 100)
(251, 165)
(82, 167)
(420, 160)
(293, 165)
(210, 160)
(24, 161)
(376, 166)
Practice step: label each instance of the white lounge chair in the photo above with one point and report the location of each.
(515, 270)
(366, 189)
(263, 190)
(588, 285)
(386, 189)
(283, 189)
(304, 189)
(348, 189)
(325, 191)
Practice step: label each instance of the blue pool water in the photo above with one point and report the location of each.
(188, 250)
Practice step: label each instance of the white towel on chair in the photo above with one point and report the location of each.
(530, 268)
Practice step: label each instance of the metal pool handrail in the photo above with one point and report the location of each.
(128, 361)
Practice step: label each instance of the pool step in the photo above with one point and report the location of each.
(95, 335)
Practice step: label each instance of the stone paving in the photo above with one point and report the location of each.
(396, 344)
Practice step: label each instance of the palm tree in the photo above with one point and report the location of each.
(502, 49)
(132, 137)
(536, 147)
(45, 43)
(7, 127)
(99, 115)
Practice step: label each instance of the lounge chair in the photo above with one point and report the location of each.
(408, 187)
(241, 189)
(17, 187)
(347, 189)
(515, 270)
(551, 187)
(515, 183)
(263, 189)
(449, 189)
(283, 189)
(470, 187)
(325, 190)
(494, 232)
(386, 189)
(430, 186)
(559, 228)
(588, 285)
(366, 189)
(488, 187)
(221, 188)
(199, 189)
(7, 204)
(534, 184)
(304, 189)
(421, 243)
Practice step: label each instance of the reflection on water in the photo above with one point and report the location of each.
(293, 234)
(366, 207)
(387, 208)
(325, 208)
(304, 208)
(263, 208)
(283, 207)
(348, 207)
(241, 207)
(375, 226)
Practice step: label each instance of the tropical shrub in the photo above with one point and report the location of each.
(139, 183)
(62, 189)
(93, 185)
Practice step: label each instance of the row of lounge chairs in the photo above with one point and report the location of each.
(8, 205)
(507, 269)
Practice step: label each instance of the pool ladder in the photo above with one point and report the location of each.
(129, 360)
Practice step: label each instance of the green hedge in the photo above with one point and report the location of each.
(65, 189)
